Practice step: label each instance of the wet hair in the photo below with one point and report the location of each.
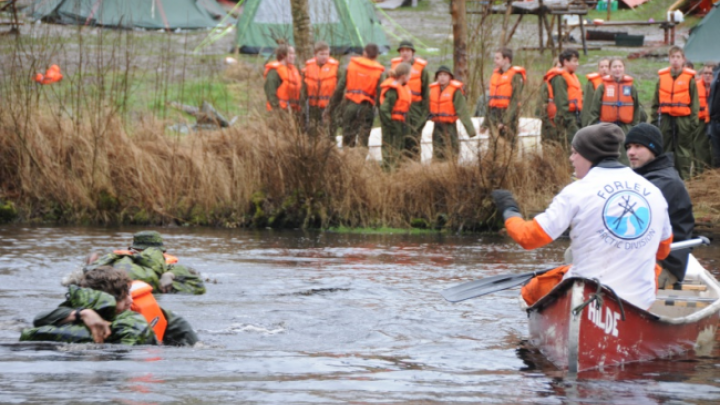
(400, 70)
(372, 51)
(568, 54)
(282, 52)
(676, 49)
(321, 46)
(115, 282)
(689, 64)
(506, 53)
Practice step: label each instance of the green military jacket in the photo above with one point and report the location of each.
(127, 327)
(566, 122)
(272, 83)
(418, 114)
(148, 266)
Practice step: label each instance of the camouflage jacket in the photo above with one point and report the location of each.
(128, 327)
(149, 265)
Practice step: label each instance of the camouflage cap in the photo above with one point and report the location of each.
(147, 239)
(444, 69)
(406, 44)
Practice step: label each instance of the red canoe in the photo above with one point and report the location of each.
(577, 337)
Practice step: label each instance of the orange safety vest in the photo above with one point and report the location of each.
(595, 79)
(675, 93)
(501, 86)
(145, 304)
(415, 82)
(52, 75)
(442, 109)
(289, 91)
(618, 105)
(169, 259)
(703, 95)
(363, 75)
(320, 81)
(402, 105)
(551, 107)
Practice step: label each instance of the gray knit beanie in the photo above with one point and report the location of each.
(597, 142)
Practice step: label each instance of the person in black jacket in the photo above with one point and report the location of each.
(645, 152)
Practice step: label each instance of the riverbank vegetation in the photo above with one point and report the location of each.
(104, 147)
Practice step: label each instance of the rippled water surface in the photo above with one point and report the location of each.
(310, 318)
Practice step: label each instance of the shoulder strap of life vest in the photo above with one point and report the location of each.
(420, 61)
(270, 66)
(521, 70)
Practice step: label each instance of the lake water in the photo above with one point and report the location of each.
(314, 318)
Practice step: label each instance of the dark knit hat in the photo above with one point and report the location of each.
(444, 69)
(646, 135)
(406, 44)
(597, 142)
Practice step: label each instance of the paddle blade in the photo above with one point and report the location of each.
(478, 288)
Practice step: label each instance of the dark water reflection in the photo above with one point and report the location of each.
(294, 317)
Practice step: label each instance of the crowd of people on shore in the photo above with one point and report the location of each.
(323, 97)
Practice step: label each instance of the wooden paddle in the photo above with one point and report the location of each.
(489, 285)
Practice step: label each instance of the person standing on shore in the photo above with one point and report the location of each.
(320, 77)
(447, 105)
(703, 148)
(594, 80)
(357, 93)
(506, 86)
(675, 110)
(546, 108)
(395, 101)
(564, 102)
(616, 99)
(714, 110)
(282, 82)
(418, 84)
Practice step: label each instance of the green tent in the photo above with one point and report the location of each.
(149, 14)
(347, 25)
(703, 44)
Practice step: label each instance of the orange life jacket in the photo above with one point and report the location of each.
(402, 105)
(145, 304)
(289, 91)
(52, 75)
(501, 86)
(618, 105)
(320, 81)
(551, 107)
(363, 75)
(595, 79)
(169, 259)
(703, 94)
(442, 109)
(675, 93)
(415, 82)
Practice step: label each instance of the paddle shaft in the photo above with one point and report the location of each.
(489, 285)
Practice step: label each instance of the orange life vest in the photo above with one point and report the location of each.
(320, 81)
(363, 75)
(52, 75)
(169, 259)
(618, 105)
(415, 82)
(402, 105)
(145, 304)
(501, 86)
(595, 79)
(703, 94)
(289, 91)
(551, 107)
(675, 93)
(442, 109)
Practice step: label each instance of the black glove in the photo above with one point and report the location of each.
(504, 201)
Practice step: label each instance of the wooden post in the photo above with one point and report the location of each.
(609, 6)
(301, 30)
(457, 9)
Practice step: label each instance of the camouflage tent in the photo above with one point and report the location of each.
(148, 14)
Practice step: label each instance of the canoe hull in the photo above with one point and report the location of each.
(595, 337)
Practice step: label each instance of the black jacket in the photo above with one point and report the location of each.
(663, 175)
(714, 101)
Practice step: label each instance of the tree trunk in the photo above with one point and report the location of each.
(301, 30)
(459, 34)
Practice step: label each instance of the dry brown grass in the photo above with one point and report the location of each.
(705, 194)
